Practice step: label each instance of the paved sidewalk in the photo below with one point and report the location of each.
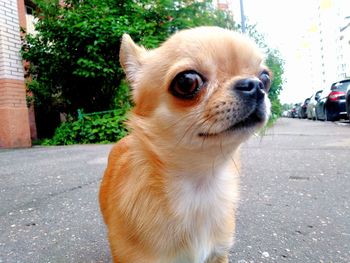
(294, 204)
(49, 208)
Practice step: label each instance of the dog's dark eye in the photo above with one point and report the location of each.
(265, 79)
(186, 85)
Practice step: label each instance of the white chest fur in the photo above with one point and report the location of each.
(202, 203)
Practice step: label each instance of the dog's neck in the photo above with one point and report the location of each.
(199, 160)
(179, 159)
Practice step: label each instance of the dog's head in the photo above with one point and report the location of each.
(202, 85)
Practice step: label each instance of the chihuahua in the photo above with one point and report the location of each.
(170, 190)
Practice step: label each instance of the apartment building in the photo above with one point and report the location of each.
(331, 16)
(325, 48)
(345, 46)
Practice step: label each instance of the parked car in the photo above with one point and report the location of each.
(285, 114)
(294, 110)
(310, 111)
(331, 105)
(347, 97)
(302, 109)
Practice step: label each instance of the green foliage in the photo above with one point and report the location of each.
(73, 56)
(275, 64)
(98, 128)
(276, 109)
(103, 127)
(122, 99)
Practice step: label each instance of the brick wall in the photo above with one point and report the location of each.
(12, 93)
(10, 42)
(14, 123)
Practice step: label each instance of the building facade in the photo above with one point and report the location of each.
(345, 46)
(325, 48)
(14, 114)
(330, 18)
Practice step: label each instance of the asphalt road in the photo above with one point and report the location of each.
(295, 198)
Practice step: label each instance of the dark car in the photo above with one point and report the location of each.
(331, 105)
(302, 109)
(294, 110)
(347, 96)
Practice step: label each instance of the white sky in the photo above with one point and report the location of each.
(283, 23)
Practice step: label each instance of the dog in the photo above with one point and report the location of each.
(170, 190)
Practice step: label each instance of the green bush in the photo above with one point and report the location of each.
(99, 127)
(95, 128)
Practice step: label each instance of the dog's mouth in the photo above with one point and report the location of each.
(256, 117)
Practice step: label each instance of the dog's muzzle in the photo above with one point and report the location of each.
(250, 88)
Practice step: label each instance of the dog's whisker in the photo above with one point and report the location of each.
(191, 114)
(188, 115)
(185, 133)
(206, 120)
(263, 134)
(222, 152)
(194, 131)
(234, 162)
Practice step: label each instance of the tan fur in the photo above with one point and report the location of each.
(168, 194)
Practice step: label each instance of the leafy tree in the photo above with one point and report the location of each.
(275, 63)
(74, 56)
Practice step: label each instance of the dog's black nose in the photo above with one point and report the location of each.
(249, 87)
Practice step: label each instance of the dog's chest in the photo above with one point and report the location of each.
(203, 206)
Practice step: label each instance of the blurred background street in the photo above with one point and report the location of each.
(294, 199)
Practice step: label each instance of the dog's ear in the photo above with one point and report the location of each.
(130, 57)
